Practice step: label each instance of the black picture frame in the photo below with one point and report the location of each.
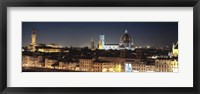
(98, 3)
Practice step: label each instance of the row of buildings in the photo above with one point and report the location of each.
(104, 64)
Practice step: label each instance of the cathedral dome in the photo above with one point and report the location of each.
(126, 40)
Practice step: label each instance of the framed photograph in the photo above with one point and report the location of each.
(76, 46)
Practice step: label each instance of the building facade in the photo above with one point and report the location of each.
(32, 61)
(85, 65)
(166, 65)
(49, 62)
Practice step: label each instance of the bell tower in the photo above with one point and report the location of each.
(33, 37)
(92, 44)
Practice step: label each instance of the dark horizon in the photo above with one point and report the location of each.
(79, 34)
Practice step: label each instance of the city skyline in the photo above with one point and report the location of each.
(112, 47)
(79, 34)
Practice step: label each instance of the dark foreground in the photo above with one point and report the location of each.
(36, 69)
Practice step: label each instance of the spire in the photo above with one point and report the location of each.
(176, 45)
(92, 39)
(33, 31)
(126, 31)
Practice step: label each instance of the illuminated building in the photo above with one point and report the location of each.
(97, 67)
(29, 61)
(126, 42)
(102, 39)
(62, 65)
(32, 61)
(150, 68)
(143, 67)
(33, 37)
(85, 65)
(51, 48)
(49, 62)
(107, 66)
(111, 46)
(68, 65)
(113, 64)
(92, 44)
(102, 64)
(139, 67)
(72, 66)
(128, 65)
(101, 42)
(48, 49)
(100, 45)
(166, 65)
(175, 50)
(33, 40)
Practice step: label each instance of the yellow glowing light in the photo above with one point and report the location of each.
(111, 69)
(118, 68)
(104, 70)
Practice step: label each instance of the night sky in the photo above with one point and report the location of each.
(79, 34)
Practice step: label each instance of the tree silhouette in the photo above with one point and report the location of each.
(55, 64)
